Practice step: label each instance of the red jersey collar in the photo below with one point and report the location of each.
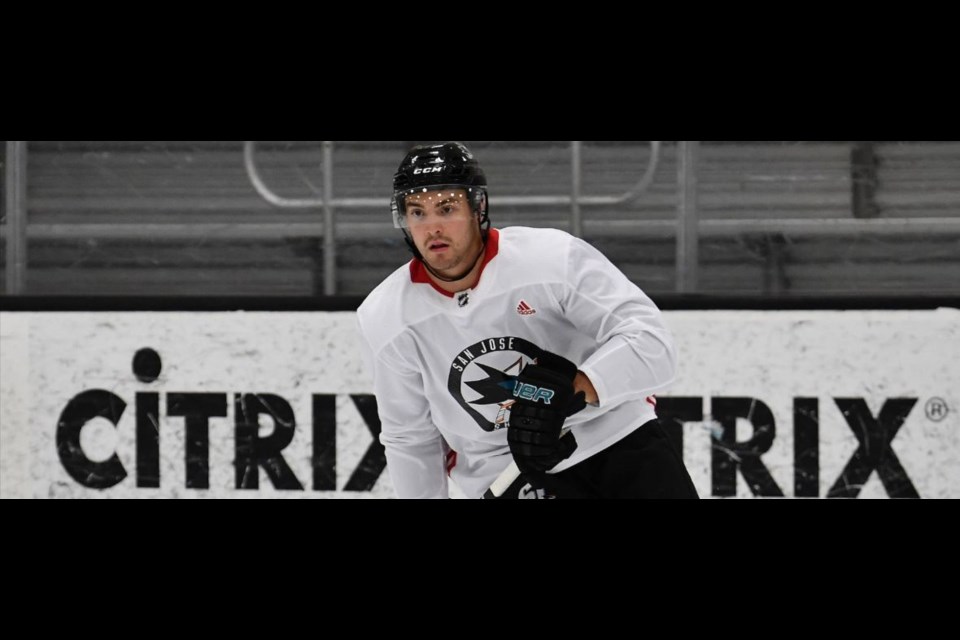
(419, 274)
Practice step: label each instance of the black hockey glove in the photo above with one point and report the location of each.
(544, 398)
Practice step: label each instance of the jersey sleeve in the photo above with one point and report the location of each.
(413, 445)
(637, 356)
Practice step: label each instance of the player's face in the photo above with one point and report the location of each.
(444, 228)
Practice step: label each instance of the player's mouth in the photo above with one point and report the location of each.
(438, 246)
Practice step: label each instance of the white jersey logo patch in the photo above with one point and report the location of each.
(482, 378)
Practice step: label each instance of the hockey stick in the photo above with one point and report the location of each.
(508, 476)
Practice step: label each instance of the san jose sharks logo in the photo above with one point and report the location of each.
(483, 379)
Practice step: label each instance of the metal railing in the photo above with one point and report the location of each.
(16, 223)
(329, 203)
(686, 228)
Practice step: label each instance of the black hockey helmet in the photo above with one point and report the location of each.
(438, 166)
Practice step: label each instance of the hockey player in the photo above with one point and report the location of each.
(491, 343)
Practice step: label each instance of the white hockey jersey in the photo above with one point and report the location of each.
(436, 357)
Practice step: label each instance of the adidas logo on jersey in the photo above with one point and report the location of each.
(524, 309)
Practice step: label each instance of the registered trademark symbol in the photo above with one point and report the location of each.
(936, 409)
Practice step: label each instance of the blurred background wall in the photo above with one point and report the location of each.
(724, 218)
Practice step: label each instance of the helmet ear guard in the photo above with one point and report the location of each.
(480, 206)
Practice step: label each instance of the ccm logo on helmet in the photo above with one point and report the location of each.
(427, 170)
